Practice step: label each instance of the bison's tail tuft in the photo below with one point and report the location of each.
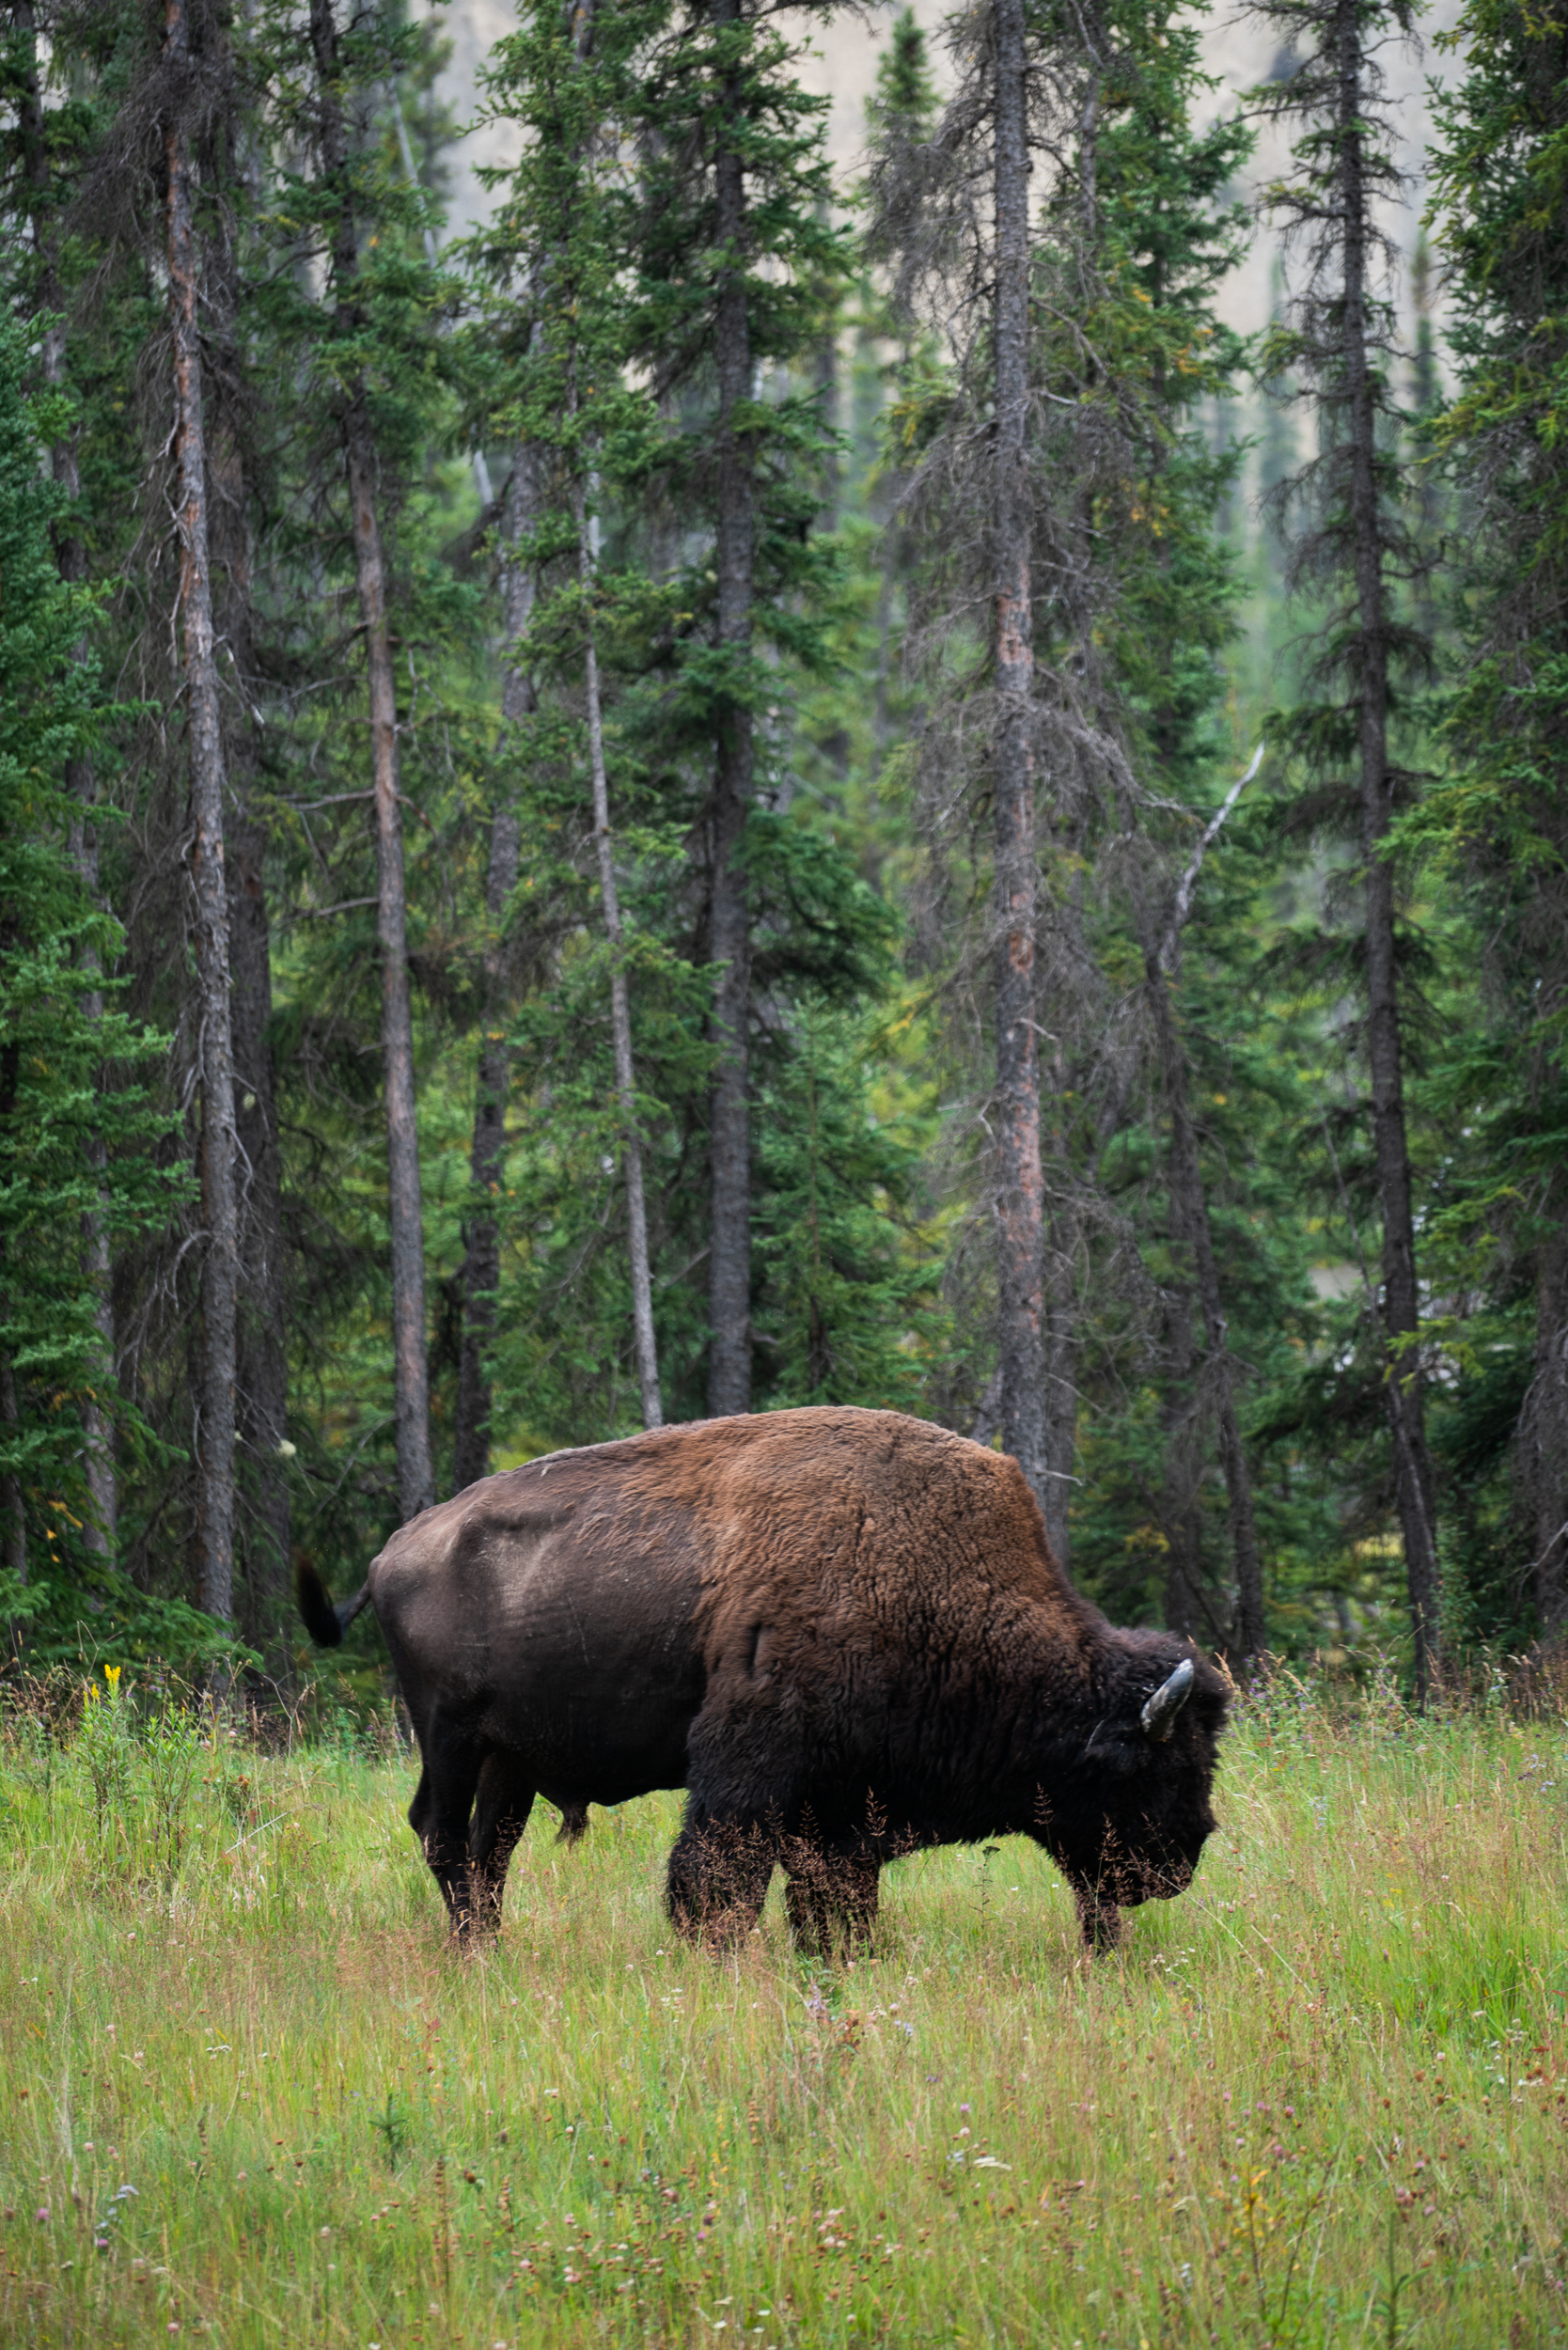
(325, 1622)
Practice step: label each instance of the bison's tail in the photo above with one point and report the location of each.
(326, 1624)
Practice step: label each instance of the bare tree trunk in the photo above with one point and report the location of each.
(1059, 1419)
(1020, 1188)
(1190, 1214)
(827, 372)
(1189, 1219)
(482, 1263)
(1179, 1514)
(263, 1357)
(101, 1534)
(15, 1506)
(620, 1012)
(263, 1489)
(220, 1278)
(729, 927)
(1401, 1292)
(416, 1477)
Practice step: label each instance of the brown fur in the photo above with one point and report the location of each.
(842, 1631)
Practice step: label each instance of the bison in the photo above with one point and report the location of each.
(842, 1631)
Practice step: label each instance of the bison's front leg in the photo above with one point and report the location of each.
(501, 1806)
(1099, 1916)
(719, 1873)
(831, 1899)
(439, 1817)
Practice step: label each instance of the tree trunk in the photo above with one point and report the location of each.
(1060, 1354)
(729, 927)
(1020, 1188)
(1401, 1293)
(415, 1479)
(263, 1358)
(1179, 1515)
(220, 1274)
(620, 1013)
(482, 1263)
(1189, 1219)
(263, 1494)
(1190, 1216)
(101, 1534)
(481, 1260)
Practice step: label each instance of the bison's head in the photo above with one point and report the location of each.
(1138, 1814)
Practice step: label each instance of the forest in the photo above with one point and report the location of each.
(741, 784)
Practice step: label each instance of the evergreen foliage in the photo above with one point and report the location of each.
(700, 488)
(81, 1136)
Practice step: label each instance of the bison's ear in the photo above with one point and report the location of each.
(1159, 1715)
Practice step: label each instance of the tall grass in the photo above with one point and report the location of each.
(249, 2094)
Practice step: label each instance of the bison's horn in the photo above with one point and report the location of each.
(1159, 1714)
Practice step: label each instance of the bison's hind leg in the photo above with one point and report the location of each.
(502, 1803)
(719, 1874)
(574, 1826)
(831, 1899)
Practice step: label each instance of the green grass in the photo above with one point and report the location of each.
(1321, 2098)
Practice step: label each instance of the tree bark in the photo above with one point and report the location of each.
(1020, 1187)
(482, 1263)
(1189, 1223)
(620, 1012)
(1190, 1216)
(262, 1486)
(220, 1273)
(263, 1354)
(729, 923)
(1179, 1513)
(1401, 1292)
(101, 1534)
(481, 1260)
(405, 1216)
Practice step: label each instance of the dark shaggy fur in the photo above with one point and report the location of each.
(842, 1631)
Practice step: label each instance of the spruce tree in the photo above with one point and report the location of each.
(43, 162)
(370, 355)
(930, 219)
(1024, 437)
(1166, 236)
(734, 259)
(61, 1030)
(565, 80)
(1339, 340)
(188, 261)
(1500, 817)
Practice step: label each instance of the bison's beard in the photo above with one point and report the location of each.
(1153, 1869)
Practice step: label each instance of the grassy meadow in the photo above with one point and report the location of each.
(250, 2095)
